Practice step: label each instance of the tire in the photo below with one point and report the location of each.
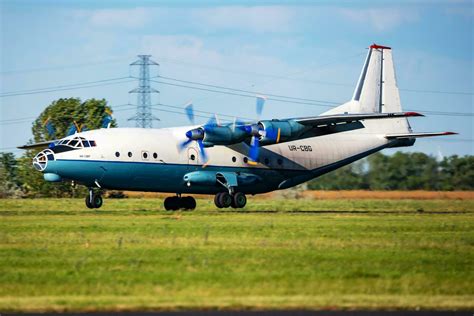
(188, 203)
(171, 203)
(97, 201)
(239, 200)
(225, 199)
(88, 202)
(217, 200)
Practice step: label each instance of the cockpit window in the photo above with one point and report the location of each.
(73, 143)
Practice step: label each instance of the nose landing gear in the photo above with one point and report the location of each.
(174, 203)
(94, 199)
(225, 199)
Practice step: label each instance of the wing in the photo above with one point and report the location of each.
(348, 118)
(37, 145)
(417, 135)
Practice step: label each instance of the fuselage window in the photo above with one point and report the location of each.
(117, 154)
(130, 154)
(246, 159)
(155, 155)
(193, 157)
(267, 161)
(280, 161)
(234, 159)
(145, 155)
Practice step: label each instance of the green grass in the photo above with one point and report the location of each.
(312, 254)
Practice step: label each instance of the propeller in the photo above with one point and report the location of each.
(49, 127)
(107, 120)
(260, 103)
(255, 130)
(190, 112)
(197, 134)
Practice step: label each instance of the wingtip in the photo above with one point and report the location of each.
(450, 133)
(413, 114)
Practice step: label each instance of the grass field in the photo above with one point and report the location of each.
(306, 253)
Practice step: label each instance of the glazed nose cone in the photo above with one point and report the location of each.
(40, 161)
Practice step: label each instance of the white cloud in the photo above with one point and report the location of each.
(381, 19)
(127, 18)
(255, 18)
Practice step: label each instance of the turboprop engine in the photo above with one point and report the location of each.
(265, 132)
(217, 135)
(274, 131)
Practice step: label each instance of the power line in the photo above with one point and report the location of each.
(247, 91)
(80, 65)
(306, 80)
(68, 87)
(238, 94)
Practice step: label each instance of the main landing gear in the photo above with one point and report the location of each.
(174, 203)
(225, 199)
(94, 199)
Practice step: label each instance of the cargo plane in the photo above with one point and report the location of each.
(236, 159)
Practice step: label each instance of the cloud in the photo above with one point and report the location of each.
(381, 19)
(255, 18)
(123, 18)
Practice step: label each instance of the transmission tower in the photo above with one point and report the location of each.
(144, 118)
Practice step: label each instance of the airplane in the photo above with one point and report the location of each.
(235, 159)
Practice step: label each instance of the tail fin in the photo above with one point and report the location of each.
(376, 90)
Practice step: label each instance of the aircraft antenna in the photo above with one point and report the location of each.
(144, 118)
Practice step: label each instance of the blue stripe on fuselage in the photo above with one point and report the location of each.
(158, 177)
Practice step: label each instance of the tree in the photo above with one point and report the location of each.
(9, 181)
(351, 177)
(457, 173)
(54, 123)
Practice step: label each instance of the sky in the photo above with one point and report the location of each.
(304, 49)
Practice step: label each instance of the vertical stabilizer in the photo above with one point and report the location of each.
(376, 90)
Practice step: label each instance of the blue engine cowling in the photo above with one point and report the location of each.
(223, 135)
(286, 130)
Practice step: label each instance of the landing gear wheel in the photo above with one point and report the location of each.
(188, 203)
(239, 200)
(88, 202)
(94, 200)
(97, 201)
(217, 200)
(172, 203)
(225, 199)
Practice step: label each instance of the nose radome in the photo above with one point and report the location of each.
(40, 161)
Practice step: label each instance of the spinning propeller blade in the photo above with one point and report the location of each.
(202, 150)
(254, 149)
(190, 112)
(184, 144)
(260, 103)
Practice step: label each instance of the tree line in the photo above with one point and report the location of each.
(401, 171)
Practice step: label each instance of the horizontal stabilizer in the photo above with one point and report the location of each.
(347, 118)
(418, 135)
(37, 145)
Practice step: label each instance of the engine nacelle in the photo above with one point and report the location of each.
(285, 130)
(223, 135)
